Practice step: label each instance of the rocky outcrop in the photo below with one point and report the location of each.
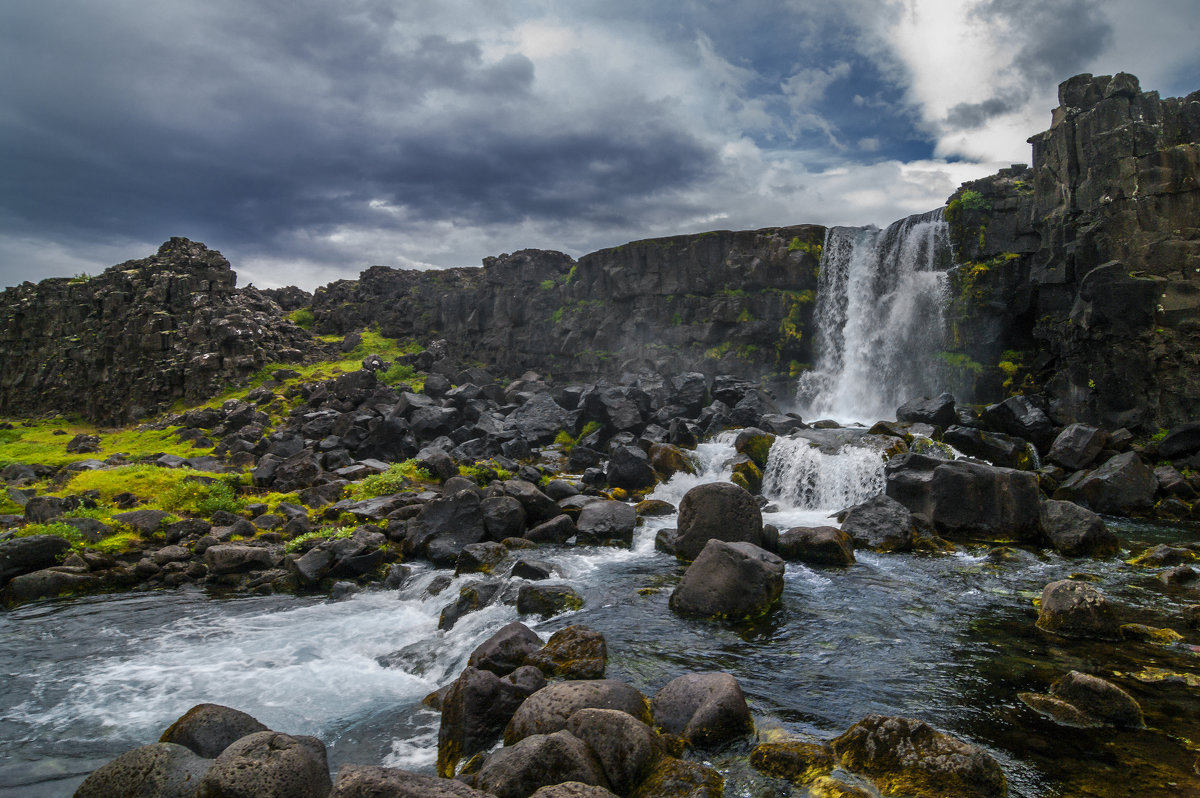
(1078, 276)
(721, 302)
(132, 340)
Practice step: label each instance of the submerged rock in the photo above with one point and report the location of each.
(903, 756)
(1077, 609)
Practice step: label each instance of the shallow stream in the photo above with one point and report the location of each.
(949, 639)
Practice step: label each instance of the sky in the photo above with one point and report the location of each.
(309, 139)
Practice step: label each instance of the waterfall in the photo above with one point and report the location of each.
(801, 474)
(879, 319)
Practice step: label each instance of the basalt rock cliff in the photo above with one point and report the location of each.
(720, 302)
(1080, 275)
(132, 340)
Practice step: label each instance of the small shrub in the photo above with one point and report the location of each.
(201, 498)
(326, 533)
(397, 478)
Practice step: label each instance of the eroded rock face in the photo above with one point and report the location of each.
(135, 338)
(903, 756)
(1085, 263)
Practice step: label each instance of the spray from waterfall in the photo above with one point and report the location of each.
(880, 319)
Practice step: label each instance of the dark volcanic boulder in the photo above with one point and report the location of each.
(25, 555)
(208, 729)
(938, 411)
(367, 781)
(737, 581)
(1076, 531)
(903, 756)
(1180, 441)
(1018, 416)
(159, 770)
(717, 511)
(538, 420)
(995, 447)
(538, 506)
(445, 525)
(706, 709)
(475, 709)
(539, 760)
(506, 650)
(269, 765)
(822, 545)
(606, 523)
(880, 523)
(1077, 609)
(549, 709)
(230, 558)
(964, 499)
(503, 517)
(625, 747)
(1123, 485)
(629, 468)
(1076, 446)
(575, 652)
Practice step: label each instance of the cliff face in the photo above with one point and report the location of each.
(1080, 276)
(721, 302)
(135, 338)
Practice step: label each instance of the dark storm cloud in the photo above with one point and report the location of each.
(249, 122)
(971, 115)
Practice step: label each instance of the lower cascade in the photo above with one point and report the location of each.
(803, 475)
(879, 317)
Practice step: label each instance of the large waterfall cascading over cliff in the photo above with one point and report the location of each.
(880, 318)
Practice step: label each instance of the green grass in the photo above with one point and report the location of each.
(201, 498)
(36, 442)
(303, 318)
(327, 533)
(398, 477)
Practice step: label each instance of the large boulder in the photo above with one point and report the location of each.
(1123, 485)
(880, 524)
(538, 420)
(539, 760)
(575, 652)
(705, 709)
(445, 525)
(1076, 531)
(1018, 416)
(965, 499)
(629, 468)
(475, 709)
(606, 523)
(717, 511)
(995, 447)
(538, 506)
(269, 764)
(938, 411)
(506, 650)
(159, 770)
(735, 581)
(625, 747)
(1181, 441)
(549, 709)
(208, 729)
(903, 756)
(503, 517)
(367, 781)
(29, 554)
(1077, 446)
(230, 558)
(1077, 609)
(822, 545)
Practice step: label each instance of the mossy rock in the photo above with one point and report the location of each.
(755, 444)
(677, 778)
(794, 760)
(1150, 634)
(747, 474)
(652, 508)
(575, 652)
